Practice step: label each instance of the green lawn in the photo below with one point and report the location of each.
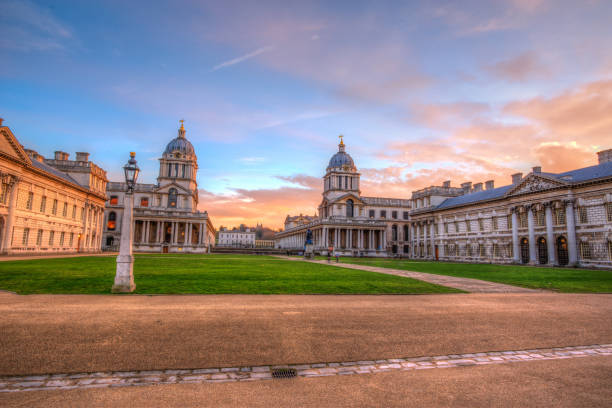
(557, 279)
(208, 274)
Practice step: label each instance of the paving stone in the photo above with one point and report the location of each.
(195, 377)
(206, 371)
(219, 377)
(35, 377)
(230, 369)
(154, 372)
(86, 381)
(319, 365)
(300, 367)
(175, 372)
(28, 384)
(334, 364)
(396, 360)
(261, 375)
(109, 380)
(328, 371)
(365, 362)
(125, 374)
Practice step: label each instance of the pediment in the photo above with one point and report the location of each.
(9, 146)
(345, 197)
(534, 184)
(166, 187)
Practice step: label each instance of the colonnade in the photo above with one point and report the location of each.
(338, 238)
(181, 232)
(426, 230)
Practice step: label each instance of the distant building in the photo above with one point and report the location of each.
(48, 206)
(166, 218)
(237, 238)
(543, 218)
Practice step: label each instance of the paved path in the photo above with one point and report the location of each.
(68, 381)
(28, 257)
(466, 284)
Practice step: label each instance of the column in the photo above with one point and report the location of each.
(571, 232)
(425, 246)
(173, 238)
(384, 239)
(433, 240)
(335, 238)
(515, 240)
(550, 237)
(412, 240)
(531, 232)
(418, 239)
(190, 231)
(349, 238)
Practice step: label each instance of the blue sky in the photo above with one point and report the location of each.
(423, 91)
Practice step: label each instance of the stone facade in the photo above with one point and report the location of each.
(48, 206)
(348, 222)
(539, 219)
(165, 215)
(236, 238)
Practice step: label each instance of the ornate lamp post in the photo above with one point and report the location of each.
(124, 277)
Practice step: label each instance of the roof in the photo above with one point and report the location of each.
(45, 167)
(572, 177)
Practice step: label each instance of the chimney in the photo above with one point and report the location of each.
(605, 156)
(489, 184)
(82, 156)
(536, 169)
(467, 186)
(517, 177)
(477, 187)
(1, 120)
(446, 184)
(59, 155)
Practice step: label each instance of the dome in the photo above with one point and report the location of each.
(341, 158)
(180, 144)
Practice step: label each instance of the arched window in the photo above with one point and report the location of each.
(111, 225)
(349, 208)
(172, 198)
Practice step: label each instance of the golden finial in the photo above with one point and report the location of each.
(132, 154)
(341, 140)
(182, 127)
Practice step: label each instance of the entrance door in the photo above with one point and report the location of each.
(562, 254)
(542, 251)
(436, 247)
(524, 250)
(165, 249)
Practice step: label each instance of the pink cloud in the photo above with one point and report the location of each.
(521, 68)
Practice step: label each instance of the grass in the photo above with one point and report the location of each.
(202, 274)
(568, 280)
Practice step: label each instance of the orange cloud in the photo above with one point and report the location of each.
(521, 68)
(558, 158)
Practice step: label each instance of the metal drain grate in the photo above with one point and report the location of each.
(284, 372)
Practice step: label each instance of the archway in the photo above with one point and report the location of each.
(542, 251)
(524, 250)
(562, 254)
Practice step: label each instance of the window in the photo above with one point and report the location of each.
(406, 233)
(43, 204)
(609, 211)
(183, 170)
(62, 235)
(111, 225)
(509, 221)
(26, 236)
(51, 238)
(523, 219)
(468, 225)
(482, 250)
(394, 215)
(54, 208)
(406, 215)
(585, 250)
(144, 202)
(480, 224)
(74, 211)
(71, 239)
(583, 215)
(114, 200)
(39, 237)
(456, 227)
(383, 214)
(4, 193)
(560, 216)
(468, 248)
(446, 227)
(394, 233)
(372, 213)
(65, 210)
(172, 198)
(29, 202)
(540, 218)
(496, 251)
(495, 223)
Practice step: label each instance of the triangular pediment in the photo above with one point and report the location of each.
(164, 188)
(10, 147)
(343, 198)
(535, 183)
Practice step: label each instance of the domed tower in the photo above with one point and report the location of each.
(341, 175)
(178, 166)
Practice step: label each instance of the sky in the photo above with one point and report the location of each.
(423, 91)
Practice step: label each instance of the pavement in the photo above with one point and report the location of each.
(77, 333)
(466, 284)
(585, 382)
(5, 258)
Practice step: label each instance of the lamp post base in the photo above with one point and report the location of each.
(124, 278)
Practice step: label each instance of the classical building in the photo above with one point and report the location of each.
(539, 219)
(347, 221)
(48, 206)
(166, 218)
(236, 238)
